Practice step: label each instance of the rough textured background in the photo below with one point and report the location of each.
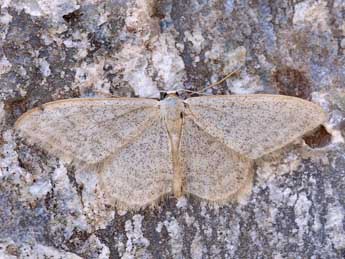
(60, 49)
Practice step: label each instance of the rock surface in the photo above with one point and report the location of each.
(59, 49)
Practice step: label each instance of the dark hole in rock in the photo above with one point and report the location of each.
(292, 82)
(158, 9)
(14, 108)
(73, 17)
(319, 138)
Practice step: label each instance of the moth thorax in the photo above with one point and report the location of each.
(172, 108)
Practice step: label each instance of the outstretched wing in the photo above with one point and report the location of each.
(254, 125)
(87, 130)
(213, 171)
(141, 172)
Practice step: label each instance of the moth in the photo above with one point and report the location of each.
(146, 149)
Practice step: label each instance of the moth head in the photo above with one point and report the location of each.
(167, 94)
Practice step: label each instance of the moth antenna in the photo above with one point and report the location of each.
(220, 81)
(188, 91)
(201, 92)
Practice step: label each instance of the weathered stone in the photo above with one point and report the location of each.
(57, 49)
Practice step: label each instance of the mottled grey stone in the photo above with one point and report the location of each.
(60, 49)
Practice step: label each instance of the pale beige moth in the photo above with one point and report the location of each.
(145, 149)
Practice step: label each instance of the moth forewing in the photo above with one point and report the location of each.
(255, 125)
(87, 130)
